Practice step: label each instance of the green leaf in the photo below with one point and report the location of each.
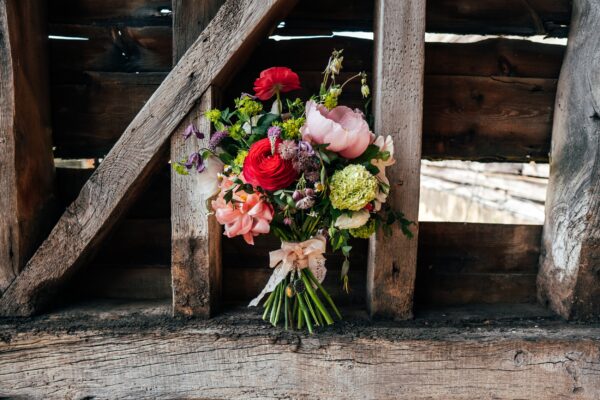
(264, 123)
(346, 250)
(370, 153)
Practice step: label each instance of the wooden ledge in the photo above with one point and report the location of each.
(124, 350)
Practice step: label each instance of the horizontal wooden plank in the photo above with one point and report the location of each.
(89, 117)
(488, 119)
(478, 248)
(449, 16)
(136, 351)
(131, 12)
(153, 204)
(494, 57)
(507, 17)
(457, 263)
(116, 282)
(110, 48)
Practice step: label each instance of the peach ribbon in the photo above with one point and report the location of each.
(293, 257)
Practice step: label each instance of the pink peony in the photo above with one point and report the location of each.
(249, 215)
(345, 130)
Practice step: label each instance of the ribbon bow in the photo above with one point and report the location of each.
(292, 257)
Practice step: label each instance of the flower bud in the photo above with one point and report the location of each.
(297, 195)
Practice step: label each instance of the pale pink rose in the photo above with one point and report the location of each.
(249, 216)
(345, 130)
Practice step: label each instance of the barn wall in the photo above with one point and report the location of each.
(486, 101)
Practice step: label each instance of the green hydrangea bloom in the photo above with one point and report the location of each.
(248, 106)
(365, 231)
(213, 115)
(352, 188)
(236, 132)
(238, 161)
(291, 128)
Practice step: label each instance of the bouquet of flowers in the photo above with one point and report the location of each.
(309, 172)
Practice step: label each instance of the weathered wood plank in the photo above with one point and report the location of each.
(398, 91)
(534, 17)
(488, 119)
(508, 17)
(90, 115)
(569, 278)
(154, 203)
(27, 202)
(195, 235)
(112, 354)
(110, 12)
(109, 48)
(129, 165)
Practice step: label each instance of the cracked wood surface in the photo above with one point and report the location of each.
(569, 276)
(398, 111)
(195, 235)
(126, 169)
(27, 182)
(139, 352)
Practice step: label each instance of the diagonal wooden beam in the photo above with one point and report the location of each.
(229, 38)
(27, 201)
(398, 111)
(195, 235)
(569, 275)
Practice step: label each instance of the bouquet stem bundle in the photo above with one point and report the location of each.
(297, 297)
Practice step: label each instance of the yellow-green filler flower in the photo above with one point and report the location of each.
(238, 161)
(213, 115)
(352, 188)
(291, 128)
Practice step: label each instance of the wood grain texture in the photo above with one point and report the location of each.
(516, 17)
(488, 118)
(122, 175)
(111, 12)
(569, 277)
(27, 202)
(449, 16)
(113, 354)
(196, 234)
(398, 111)
(91, 112)
(457, 264)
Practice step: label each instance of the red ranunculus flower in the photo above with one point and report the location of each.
(267, 170)
(275, 79)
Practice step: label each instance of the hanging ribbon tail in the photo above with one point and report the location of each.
(295, 256)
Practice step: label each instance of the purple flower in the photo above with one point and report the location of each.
(274, 132)
(287, 221)
(195, 159)
(192, 129)
(216, 139)
(297, 195)
(306, 147)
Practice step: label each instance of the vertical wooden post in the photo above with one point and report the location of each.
(26, 162)
(398, 111)
(569, 275)
(195, 236)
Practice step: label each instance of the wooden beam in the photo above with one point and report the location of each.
(136, 352)
(398, 110)
(195, 235)
(112, 188)
(569, 277)
(27, 202)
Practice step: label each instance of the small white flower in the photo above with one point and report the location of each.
(356, 220)
(208, 180)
